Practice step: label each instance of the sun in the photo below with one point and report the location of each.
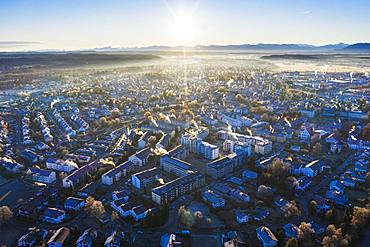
(183, 27)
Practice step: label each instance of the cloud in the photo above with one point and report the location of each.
(9, 44)
(307, 12)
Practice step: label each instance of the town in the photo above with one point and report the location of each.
(224, 155)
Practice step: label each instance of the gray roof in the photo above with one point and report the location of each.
(147, 173)
(177, 162)
(142, 154)
(119, 168)
(265, 234)
(174, 183)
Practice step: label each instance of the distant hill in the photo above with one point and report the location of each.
(358, 47)
(292, 57)
(333, 46)
(267, 47)
(242, 47)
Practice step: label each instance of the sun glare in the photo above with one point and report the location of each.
(183, 27)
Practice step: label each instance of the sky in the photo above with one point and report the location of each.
(85, 24)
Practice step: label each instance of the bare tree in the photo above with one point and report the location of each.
(198, 216)
(152, 140)
(114, 216)
(187, 217)
(291, 183)
(97, 209)
(292, 242)
(147, 114)
(94, 207)
(292, 210)
(360, 217)
(277, 172)
(89, 201)
(305, 235)
(115, 113)
(317, 148)
(312, 206)
(5, 214)
(334, 237)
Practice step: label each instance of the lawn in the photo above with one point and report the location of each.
(209, 220)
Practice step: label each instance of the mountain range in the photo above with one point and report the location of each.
(340, 47)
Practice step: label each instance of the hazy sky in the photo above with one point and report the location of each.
(75, 24)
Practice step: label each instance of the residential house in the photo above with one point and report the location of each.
(31, 156)
(303, 183)
(87, 238)
(321, 204)
(145, 179)
(265, 237)
(144, 139)
(249, 176)
(88, 190)
(282, 204)
(42, 176)
(178, 187)
(175, 166)
(241, 217)
(179, 152)
(313, 168)
(139, 212)
(349, 182)
(80, 174)
(235, 180)
(116, 205)
(317, 228)
(54, 215)
(361, 167)
(163, 142)
(117, 173)
(225, 165)
(239, 195)
(69, 131)
(122, 194)
(234, 119)
(83, 126)
(307, 112)
(338, 198)
(207, 150)
(140, 158)
(74, 203)
(357, 144)
(168, 240)
(59, 238)
(291, 231)
(28, 239)
(263, 147)
(337, 186)
(306, 134)
(122, 209)
(10, 165)
(260, 145)
(260, 214)
(32, 237)
(32, 206)
(61, 165)
(114, 240)
(208, 120)
(213, 199)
